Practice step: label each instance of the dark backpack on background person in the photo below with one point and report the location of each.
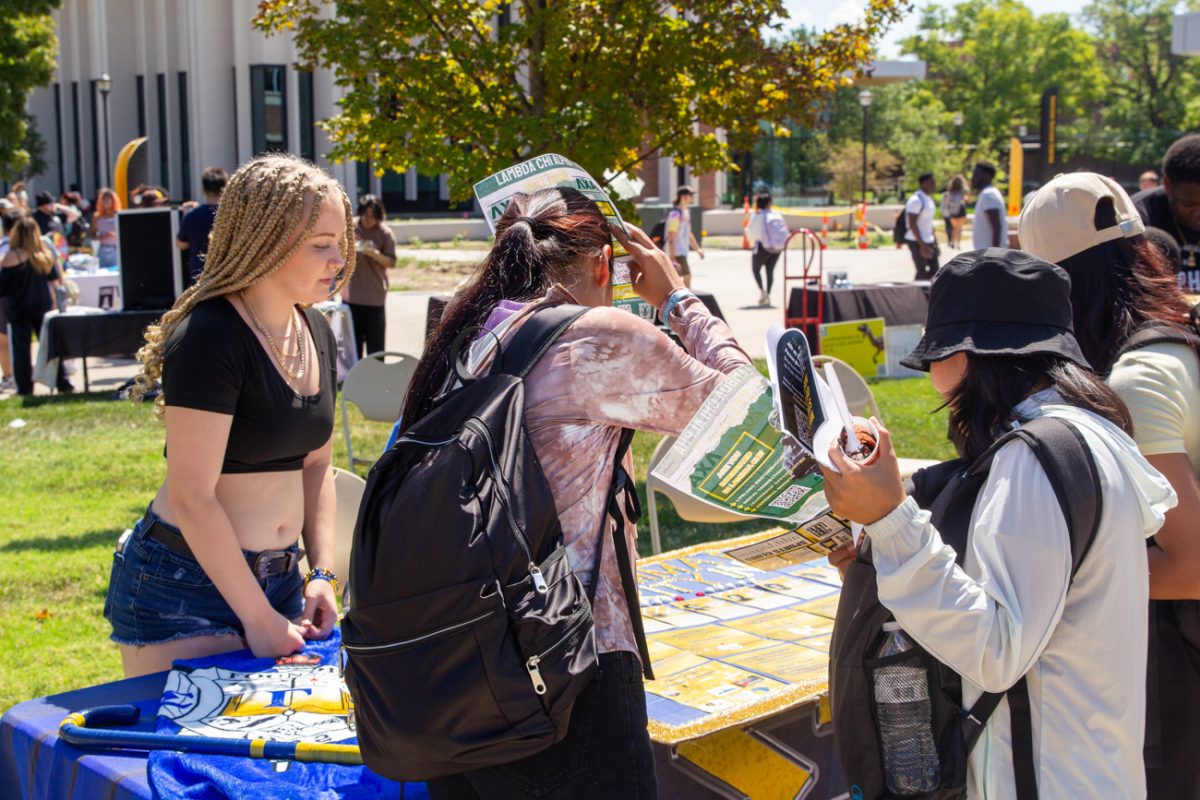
(900, 228)
(469, 636)
(949, 492)
(1173, 658)
(658, 233)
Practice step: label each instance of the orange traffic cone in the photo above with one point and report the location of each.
(745, 221)
(862, 236)
(824, 228)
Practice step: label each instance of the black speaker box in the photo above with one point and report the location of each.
(151, 267)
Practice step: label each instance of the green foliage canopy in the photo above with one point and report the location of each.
(443, 86)
(28, 49)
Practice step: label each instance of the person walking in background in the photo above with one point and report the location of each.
(104, 226)
(679, 236)
(26, 273)
(919, 233)
(1148, 180)
(9, 218)
(51, 217)
(366, 294)
(1175, 206)
(954, 210)
(197, 224)
(990, 226)
(768, 235)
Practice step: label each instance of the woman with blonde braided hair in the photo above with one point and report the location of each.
(248, 377)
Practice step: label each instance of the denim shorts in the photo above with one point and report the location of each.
(156, 595)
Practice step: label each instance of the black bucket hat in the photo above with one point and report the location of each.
(997, 302)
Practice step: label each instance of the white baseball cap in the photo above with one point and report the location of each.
(1059, 220)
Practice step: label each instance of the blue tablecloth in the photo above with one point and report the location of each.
(35, 763)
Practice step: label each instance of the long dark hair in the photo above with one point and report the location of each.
(1116, 287)
(541, 239)
(981, 406)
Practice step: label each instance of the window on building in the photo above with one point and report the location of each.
(164, 152)
(95, 98)
(78, 148)
(362, 175)
(58, 135)
(141, 103)
(391, 190)
(185, 148)
(268, 108)
(308, 147)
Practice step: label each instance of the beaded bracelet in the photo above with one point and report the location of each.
(673, 300)
(321, 574)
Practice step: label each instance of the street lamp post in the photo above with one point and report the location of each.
(864, 100)
(104, 86)
(958, 123)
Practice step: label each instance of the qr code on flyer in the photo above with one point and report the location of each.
(789, 497)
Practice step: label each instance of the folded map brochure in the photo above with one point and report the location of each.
(551, 170)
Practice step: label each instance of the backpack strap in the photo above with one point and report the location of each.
(1065, 458)
(1159, 333)
(622, 505)
(534, 337)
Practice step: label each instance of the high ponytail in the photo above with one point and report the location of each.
(542, 239)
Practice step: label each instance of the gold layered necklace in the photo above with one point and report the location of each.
(279, 359)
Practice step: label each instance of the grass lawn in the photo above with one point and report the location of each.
(83, 468)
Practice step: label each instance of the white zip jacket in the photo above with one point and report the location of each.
(1007, 611)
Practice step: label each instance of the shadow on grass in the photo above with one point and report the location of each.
(73, 398)
(50, 544)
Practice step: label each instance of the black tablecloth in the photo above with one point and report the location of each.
(899, 304)
(437, 306)
(116, 333)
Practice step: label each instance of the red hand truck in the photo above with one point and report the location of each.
(811, 277)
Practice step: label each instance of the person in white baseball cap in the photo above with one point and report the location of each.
(1137, 328)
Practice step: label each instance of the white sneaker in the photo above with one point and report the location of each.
(764, 299)
(7, 384)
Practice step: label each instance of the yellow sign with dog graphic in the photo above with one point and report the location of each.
(860, 343)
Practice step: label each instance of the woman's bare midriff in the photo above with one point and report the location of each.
(266, 509)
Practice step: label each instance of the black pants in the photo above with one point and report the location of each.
(762, 257)
(926, 267)
(605, 754)
(369, 325)
(20, 338)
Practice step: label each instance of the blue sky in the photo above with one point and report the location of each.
(826, 14)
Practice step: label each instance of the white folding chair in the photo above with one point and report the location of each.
(858, 394)
(377, 388)
(349, 489)
(686, 506)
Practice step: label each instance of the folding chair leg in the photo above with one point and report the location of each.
(655, 544)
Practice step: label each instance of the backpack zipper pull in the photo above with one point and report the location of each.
(535, 674)
(539, 583)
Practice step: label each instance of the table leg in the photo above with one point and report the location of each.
(85, 375)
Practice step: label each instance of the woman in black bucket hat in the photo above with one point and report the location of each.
(1068, 667)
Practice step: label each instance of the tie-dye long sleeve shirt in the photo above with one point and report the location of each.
(611, 370)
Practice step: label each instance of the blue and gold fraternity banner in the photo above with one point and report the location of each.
(739, 630)
(236, 696)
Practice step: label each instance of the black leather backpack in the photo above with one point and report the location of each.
(949, 492)
(469, 636)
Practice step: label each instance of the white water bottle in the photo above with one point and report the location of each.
(910, 758)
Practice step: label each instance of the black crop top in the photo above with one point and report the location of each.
(214, 362)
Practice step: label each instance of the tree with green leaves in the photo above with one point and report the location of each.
(28, 50)
(992, 59)
(468, 87)
(1151, 94)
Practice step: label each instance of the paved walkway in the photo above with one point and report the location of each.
(725, 273)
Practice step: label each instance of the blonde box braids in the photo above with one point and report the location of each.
(254, 234)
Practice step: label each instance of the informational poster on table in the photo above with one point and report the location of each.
(861, 343)
(550, 171)
(739, 630)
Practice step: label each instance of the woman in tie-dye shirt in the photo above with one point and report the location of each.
(610, 370)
